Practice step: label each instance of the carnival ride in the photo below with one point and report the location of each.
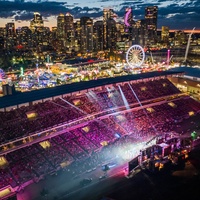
(135, 56)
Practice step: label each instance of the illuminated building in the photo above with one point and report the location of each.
(65, 31)
(1, 42)
(77, 35)
(69, 31)
(61, 30)
(122, 44)
(140, 32)
(24, 36)
(2, 37)
(41, 38)
(53, 38)
(128, 24)
(180, 38)
(44, 37)
(98, 36)
(10, 35)
(86, 34)
(128, 20)
(2, 31)
(151, 13)
(111, 34)
(54, 33)
(107, 14)
(37, 22)
(165, 34)
(61, 26)
(10, 30)
(120, 31)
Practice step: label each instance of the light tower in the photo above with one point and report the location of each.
(168, 57)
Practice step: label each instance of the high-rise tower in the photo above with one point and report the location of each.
(140, 32)
(65, 30)
(69, 31)
(10, 30)
(128, 19)
(10, 35)
(128, 23)
(151, 14)
(37, 22)
(111, 34)
(86, 24)
(61, 26)
(24, 36)
(77, 35)
(98, 36)
(165, 34)
(108, 13)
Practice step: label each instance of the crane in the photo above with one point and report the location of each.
(188, 45)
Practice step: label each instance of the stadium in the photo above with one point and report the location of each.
(79, 127)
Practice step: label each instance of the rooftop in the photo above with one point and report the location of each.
(25, 97)
(189, 71)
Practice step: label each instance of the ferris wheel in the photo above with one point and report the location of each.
(135, 56)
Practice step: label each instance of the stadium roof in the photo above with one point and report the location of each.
(189, 71)
(24, 97)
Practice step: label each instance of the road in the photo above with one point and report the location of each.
(144, 186)
(62, 184)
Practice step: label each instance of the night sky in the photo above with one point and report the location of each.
(177, 14)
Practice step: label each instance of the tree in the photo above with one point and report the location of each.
(5, 62)
(194, 135)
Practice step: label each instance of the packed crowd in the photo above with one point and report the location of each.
(34, 161)
(90, 144)
(15, 123)
(158, 118)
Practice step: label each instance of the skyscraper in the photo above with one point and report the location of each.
(77, 35)
(10, 35)
(180, 38)
(86, 34)
(37, 22)
(98, 36)
(165, 34)
(65, 30)
(69, 31)
(10, 30)
(107, 14)
(140, 36)
(128, 24)
(151, 13)
(24, 36)
(61, 26)
(111, 38)
(2, 37)
(2, 31)
(128, 19)
(54, 33)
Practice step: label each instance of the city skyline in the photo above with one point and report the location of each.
(175, 14)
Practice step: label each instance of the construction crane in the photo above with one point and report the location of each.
(188, 45)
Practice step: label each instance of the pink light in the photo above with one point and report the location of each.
(126, 17)
(168, 55)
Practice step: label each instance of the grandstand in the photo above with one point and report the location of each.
(42, 134)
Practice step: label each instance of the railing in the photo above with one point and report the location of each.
(67, 126)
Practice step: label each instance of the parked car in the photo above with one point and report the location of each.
(85, 181)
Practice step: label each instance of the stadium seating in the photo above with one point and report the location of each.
(94, 138)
